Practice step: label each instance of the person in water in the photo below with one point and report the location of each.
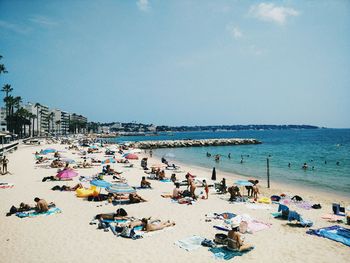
(305, 166)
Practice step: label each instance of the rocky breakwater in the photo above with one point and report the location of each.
(193, 143)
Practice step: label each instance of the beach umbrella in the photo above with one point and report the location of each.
(100, 183)
(243, 183)
(109, 160)
(48, 150)
(67, 174)
(120, 188)
(131, 156)
(213, 174)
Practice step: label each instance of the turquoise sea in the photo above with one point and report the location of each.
(320, 149)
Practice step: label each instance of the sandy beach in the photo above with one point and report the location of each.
(68, 236)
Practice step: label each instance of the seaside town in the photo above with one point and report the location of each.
(174, 131)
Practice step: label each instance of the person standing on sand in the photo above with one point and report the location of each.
(4, 164)
(150, 153)
(206, 189)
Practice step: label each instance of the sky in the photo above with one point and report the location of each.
(180, 62)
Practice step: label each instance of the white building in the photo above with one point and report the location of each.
(3, 124)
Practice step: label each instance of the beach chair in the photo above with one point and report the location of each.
(338, 210)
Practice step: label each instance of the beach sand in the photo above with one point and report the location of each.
(68, 237)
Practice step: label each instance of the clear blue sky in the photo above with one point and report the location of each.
(182, 62)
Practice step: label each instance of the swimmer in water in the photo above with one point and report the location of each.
(305, 166)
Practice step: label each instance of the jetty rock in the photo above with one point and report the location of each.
(192, 143)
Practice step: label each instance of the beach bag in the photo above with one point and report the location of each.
(316, 206)
(208, 243)
(220, 239)
(186, 193)
(127, 232)
(297, 198)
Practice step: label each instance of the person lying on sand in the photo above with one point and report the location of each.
(154, 225)
(235, 241)
(55, 178)
(135, 198)
(120, 214)
(22, 208)
(66, 187)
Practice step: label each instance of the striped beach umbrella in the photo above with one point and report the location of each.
(120, 188)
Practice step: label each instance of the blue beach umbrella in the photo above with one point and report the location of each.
(243, 183)
(48, 150)
(100, 183)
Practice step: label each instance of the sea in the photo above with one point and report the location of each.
(325, 151)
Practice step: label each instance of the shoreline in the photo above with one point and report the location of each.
(275, 187)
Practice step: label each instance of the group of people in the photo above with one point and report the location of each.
(41, 206)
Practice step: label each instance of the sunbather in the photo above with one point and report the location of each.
(144, 183)
(234, 193)
(120, 214)
(135, 198)
(235, 241)
(67, 187)
(155, 225)
(41, 205)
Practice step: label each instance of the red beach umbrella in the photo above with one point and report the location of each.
(132, 156)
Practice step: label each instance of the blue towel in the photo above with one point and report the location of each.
(336, 233)
(51, 211)
(224, 253)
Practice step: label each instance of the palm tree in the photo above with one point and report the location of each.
(37, 106)
(2, 67)
(32, 117)
(49, 118)
(7, 89)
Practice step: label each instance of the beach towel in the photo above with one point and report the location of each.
(190, 243)
(51, 211)
(166, 181)
(255, 226)
(334, 218)
(336, 233)
(224, 253)
(6, 185)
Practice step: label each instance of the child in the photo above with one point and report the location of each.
(206, 188)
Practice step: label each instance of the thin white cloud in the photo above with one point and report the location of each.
(272, 13)
(43, 21)
(234, 31)
(14, 27)
(143, 5)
